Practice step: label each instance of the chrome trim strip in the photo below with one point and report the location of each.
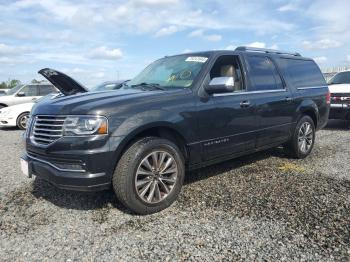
(311, 87)
(52, 165)
(223, 137)
(252, 92)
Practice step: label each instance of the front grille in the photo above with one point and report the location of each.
(47, 129)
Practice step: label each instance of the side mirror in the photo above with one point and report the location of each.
(21, 94)
(220, 85)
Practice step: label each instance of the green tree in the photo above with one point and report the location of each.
(3, 85)
(13, 83)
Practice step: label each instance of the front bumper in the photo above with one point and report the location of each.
(75, 163)
(340, 111)
(81, 180)
(7, 121)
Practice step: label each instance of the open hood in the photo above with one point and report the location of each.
(67, 85)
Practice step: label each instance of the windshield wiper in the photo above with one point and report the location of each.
(153, 86)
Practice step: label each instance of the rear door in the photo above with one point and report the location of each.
(272, 99)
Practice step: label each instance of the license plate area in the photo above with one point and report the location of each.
(25, 167)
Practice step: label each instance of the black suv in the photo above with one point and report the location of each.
(180, 113)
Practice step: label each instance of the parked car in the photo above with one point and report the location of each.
(339, 87)
(25, 94)
(182, 112)
(109, 85)
(16, 115)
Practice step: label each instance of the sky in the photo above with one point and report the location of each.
(96, 41)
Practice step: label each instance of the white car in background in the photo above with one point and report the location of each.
(15, 115)
(26, 94)
(339, 86)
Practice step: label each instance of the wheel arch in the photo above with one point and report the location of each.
(162, 130)
(310, 109)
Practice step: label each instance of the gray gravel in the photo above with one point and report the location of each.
(261, 207)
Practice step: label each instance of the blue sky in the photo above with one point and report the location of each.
(103, 40)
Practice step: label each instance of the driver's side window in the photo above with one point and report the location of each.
(228, 66)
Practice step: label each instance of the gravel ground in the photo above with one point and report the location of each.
(261, 207)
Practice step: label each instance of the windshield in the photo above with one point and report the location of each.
(13, 90)
(170, 72)
(340, 78)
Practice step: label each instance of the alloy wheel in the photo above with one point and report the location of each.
(156, 177)
(305, 137)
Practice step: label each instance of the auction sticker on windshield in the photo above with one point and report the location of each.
(198, 59)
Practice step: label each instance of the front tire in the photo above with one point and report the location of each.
(149, 176)
(22, 120)
(303, 139)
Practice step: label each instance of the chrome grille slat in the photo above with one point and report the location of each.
(38, 124)
(47, 129)
(46, 135)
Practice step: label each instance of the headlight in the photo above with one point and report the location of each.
(85, 125)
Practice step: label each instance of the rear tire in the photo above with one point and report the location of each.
(303, 139)
(22, 120)
(149, 176)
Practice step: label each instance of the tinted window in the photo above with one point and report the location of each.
(303, 73)
(340, 78)
(30, 90)
(46, 89)
(263, 74)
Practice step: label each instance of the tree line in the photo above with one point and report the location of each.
(14, 82)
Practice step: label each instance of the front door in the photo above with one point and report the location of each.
(226, 121)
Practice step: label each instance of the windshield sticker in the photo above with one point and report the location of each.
(197, 59)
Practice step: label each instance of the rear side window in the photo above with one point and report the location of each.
(303, 73)
(263, 74)
(46, 89)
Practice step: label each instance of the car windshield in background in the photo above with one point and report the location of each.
(14, 90)
(170, 72)
(340, 78)
(112, 85)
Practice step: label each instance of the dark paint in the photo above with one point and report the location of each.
(213, 128)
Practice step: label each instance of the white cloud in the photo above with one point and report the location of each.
(201, 34)
(287, 7)
(321, 44)
(274, 46)
(195, 33)
(230, 47)
(257, 44)
(320, 59)
(348, 57)
(186, 51)
(213, 37)
(6, 50)
(104, 53)
(167, 31)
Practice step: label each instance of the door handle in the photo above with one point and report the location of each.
(288, 99)
(244, 104)
(33, 99)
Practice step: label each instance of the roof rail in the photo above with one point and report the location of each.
(264, 50)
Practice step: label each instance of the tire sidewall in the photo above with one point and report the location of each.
(304, 119)
(19, 120)
(144, 150)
